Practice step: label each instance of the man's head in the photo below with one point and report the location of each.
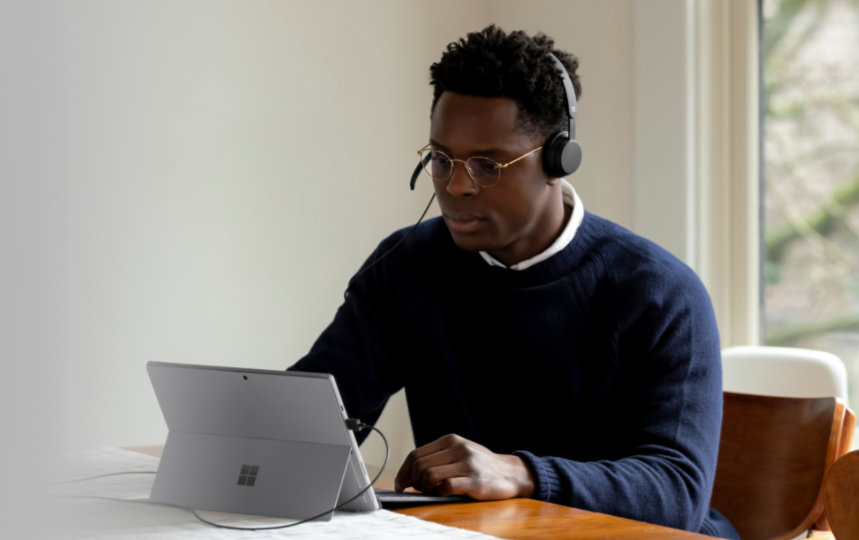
(499, 96)
(492, 63)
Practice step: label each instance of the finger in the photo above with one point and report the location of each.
(437, 445)
(429, 480)
(406, 475)
(413, 471)
(403, 479)
(460, 485)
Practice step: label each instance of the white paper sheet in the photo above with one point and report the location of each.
(117, 507)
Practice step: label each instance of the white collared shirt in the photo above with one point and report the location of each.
(571, 198)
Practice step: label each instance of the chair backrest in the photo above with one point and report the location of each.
(841, 497)
(783, 371)
(773, 457)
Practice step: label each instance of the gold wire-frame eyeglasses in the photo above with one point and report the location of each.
(483, 171)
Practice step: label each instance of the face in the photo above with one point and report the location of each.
(521, 215)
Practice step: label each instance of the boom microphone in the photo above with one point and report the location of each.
(415, 175)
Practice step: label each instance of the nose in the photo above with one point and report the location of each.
(460, 184)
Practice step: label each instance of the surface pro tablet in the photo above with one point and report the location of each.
(263, 442)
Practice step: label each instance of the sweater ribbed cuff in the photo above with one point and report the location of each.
(546, 486)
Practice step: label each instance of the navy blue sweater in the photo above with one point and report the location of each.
(599, 367)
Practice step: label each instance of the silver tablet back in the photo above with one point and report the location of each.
(255, 441)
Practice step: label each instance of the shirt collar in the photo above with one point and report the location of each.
(571, 198)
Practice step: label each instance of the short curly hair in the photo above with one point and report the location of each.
(492, 63)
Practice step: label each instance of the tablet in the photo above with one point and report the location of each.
(252, 441)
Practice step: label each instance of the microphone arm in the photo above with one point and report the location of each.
(421, 164)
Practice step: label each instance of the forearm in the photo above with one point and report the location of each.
(655, 489)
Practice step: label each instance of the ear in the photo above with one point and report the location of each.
(552, 181)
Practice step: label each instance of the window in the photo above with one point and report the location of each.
(811, 177)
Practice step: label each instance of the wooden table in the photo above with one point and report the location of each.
(526, 518)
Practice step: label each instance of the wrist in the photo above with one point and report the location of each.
(524, 478)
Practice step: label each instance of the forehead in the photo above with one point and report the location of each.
(468, 124)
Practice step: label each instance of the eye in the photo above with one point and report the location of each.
(438, 165)
(439, 159)
(482, 165)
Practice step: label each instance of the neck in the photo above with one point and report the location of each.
(556, 217)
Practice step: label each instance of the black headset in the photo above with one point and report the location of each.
(561, 153)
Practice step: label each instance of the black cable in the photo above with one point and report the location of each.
(392, 248)
(351, 423)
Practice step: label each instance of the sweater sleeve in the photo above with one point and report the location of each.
(357, 345)
(668, 424)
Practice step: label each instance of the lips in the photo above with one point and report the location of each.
(463, 223)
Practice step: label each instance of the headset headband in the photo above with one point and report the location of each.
(569, 92)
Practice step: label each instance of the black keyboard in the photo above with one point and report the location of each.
(389, 498)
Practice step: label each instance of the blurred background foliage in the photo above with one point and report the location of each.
(811, 176)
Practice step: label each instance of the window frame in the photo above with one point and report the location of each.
(705, 96)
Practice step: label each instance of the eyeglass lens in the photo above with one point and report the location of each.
(483, 171)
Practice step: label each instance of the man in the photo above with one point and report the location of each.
(545, 352)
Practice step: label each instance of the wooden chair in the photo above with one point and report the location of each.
(773, 457)
(841, 497)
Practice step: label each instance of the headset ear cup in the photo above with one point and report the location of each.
(571, 157)
(561, 156)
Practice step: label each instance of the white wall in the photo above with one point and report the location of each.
(195, 181)
(600, 34)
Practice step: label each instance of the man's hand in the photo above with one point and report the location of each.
(452, 465)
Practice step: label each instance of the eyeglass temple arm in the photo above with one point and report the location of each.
(505, 165)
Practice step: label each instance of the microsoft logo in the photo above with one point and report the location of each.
(248, 475)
